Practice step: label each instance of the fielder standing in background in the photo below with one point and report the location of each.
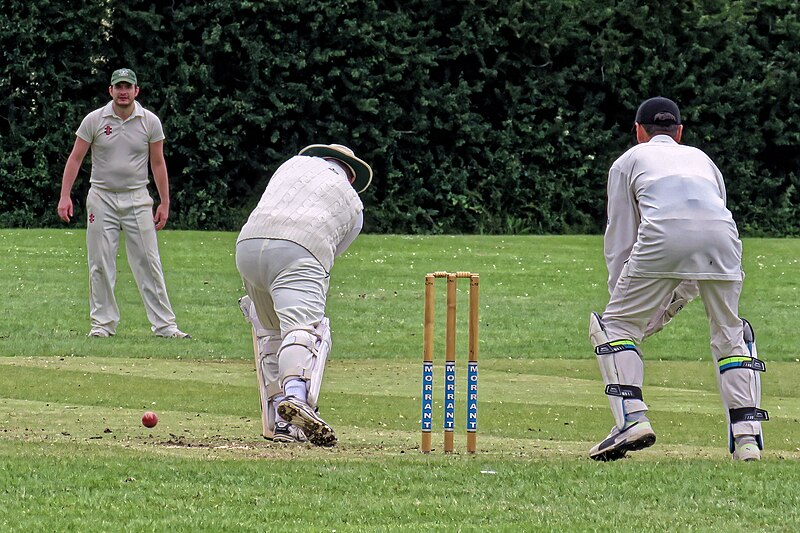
(308, 215)
(124, 137)
(668, 226)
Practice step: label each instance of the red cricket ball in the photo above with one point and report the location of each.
(149, 419)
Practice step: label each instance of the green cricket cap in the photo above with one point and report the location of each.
(123, 75)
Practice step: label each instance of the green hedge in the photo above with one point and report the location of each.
(493, 116)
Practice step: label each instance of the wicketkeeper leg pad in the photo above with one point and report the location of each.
(622, 369)
(740, 388)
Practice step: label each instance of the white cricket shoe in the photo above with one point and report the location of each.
(637, 436)
(177, 334)
(299, 413)
(747, 452)
(288, 433)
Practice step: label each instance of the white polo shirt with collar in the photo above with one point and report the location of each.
(120, 148)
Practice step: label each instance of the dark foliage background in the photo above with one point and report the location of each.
(491, 116)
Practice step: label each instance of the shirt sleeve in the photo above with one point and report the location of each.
(720, 182)
(86, 129)
(155, 130)
(622, 225)
(351, 235)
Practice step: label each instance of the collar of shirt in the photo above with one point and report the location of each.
(663, 138)
(108, 110)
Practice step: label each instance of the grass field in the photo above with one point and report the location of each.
(74, 456)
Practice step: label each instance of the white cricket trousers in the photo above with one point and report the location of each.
(288, 286)
(635, 301)
(132, 213)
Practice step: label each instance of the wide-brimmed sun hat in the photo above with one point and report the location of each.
(361, 170)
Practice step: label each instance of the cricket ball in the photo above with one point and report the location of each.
(149, 419)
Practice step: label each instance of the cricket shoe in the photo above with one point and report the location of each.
(299, 413)
(288, 433)
(747, 452)
(177, 334)
(637, 436)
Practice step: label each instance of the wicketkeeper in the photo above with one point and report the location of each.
(308, 215)
(669, 238)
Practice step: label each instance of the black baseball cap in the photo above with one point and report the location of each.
(660, 111)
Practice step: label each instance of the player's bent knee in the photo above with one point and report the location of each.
(295, 355)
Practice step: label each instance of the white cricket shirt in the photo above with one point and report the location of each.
(120, 148)
(667, 215)
(308, 201)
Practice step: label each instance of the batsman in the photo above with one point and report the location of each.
(308, 215)
(669, 238)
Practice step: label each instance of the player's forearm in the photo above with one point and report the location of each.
(70, 175)
(162, 183)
